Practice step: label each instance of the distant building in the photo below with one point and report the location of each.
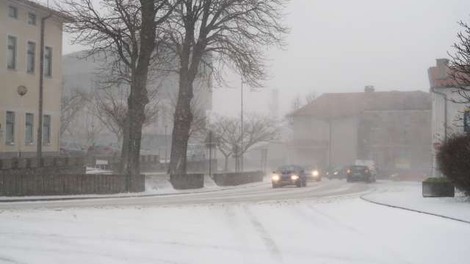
(20, 27)
(391, 128)
(447, 115)
(84, 74)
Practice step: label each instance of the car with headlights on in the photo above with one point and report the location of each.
(336, 173)
(289, 175)
(314, 174)
(359, 173)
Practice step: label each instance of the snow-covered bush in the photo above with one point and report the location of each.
(454, 161)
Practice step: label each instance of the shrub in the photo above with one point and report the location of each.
(454, 161)
(437, 180)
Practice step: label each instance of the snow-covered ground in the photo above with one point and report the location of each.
(408, 195)
(347, 230)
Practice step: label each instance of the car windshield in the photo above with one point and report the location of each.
(289, 168)
(358, 168)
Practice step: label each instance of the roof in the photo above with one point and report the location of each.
(32, 4)
(337, 105)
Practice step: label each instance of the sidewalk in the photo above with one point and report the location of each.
(407, 195)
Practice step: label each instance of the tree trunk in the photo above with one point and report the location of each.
(189, 63)
(138, 97)
(226, 163)
(124, 148)
(182, 125)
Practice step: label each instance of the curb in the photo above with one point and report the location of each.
(412, 210)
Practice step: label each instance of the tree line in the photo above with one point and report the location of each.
(180, 36)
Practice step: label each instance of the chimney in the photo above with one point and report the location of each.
(442, 66)
(369, 89)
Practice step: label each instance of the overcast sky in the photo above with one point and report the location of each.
(343, 45)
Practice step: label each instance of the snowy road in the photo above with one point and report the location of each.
(252, 193)
(324, 223)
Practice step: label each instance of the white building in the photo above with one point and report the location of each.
(447, 114)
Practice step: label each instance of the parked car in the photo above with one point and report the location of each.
(72, 149)
(359, 173)
(103, 150)
(289, 175)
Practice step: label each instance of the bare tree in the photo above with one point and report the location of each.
(128, 31)
(460, 62)
(110, 103)
(216, 33)
(71, 105)
(224, 129)
(310, 97)
(231, 142)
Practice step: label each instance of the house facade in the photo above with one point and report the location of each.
(20, 30)
(447, 112)
(390, 128)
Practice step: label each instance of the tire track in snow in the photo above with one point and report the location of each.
(337, 222)
(238, 234)
(8, 260)
(264, 235)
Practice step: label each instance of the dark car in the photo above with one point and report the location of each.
(336, 173)
(359, 173)
(103, 150)
(289, 175)
(72, 149)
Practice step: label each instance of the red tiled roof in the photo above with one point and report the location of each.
(336, 105)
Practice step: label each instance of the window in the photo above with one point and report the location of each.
(46, 129)
(31, 18)
(12, 12)
(48, 61)
(31, 57)
(29, 125)
(10, 128)
(11, 56)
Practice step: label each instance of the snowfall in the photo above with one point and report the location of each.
(333, 230)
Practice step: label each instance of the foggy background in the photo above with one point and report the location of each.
(343, 45)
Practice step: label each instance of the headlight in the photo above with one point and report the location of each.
(275, 177)
(336, 173)
(315, 173)
(294, 177)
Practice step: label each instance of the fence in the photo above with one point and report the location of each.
(59, 176)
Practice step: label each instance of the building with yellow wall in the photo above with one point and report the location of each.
(20, 34)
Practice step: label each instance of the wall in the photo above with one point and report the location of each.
(188, 181)
(343, 141)
(237, 178)
(312, 141)
(58, 176)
